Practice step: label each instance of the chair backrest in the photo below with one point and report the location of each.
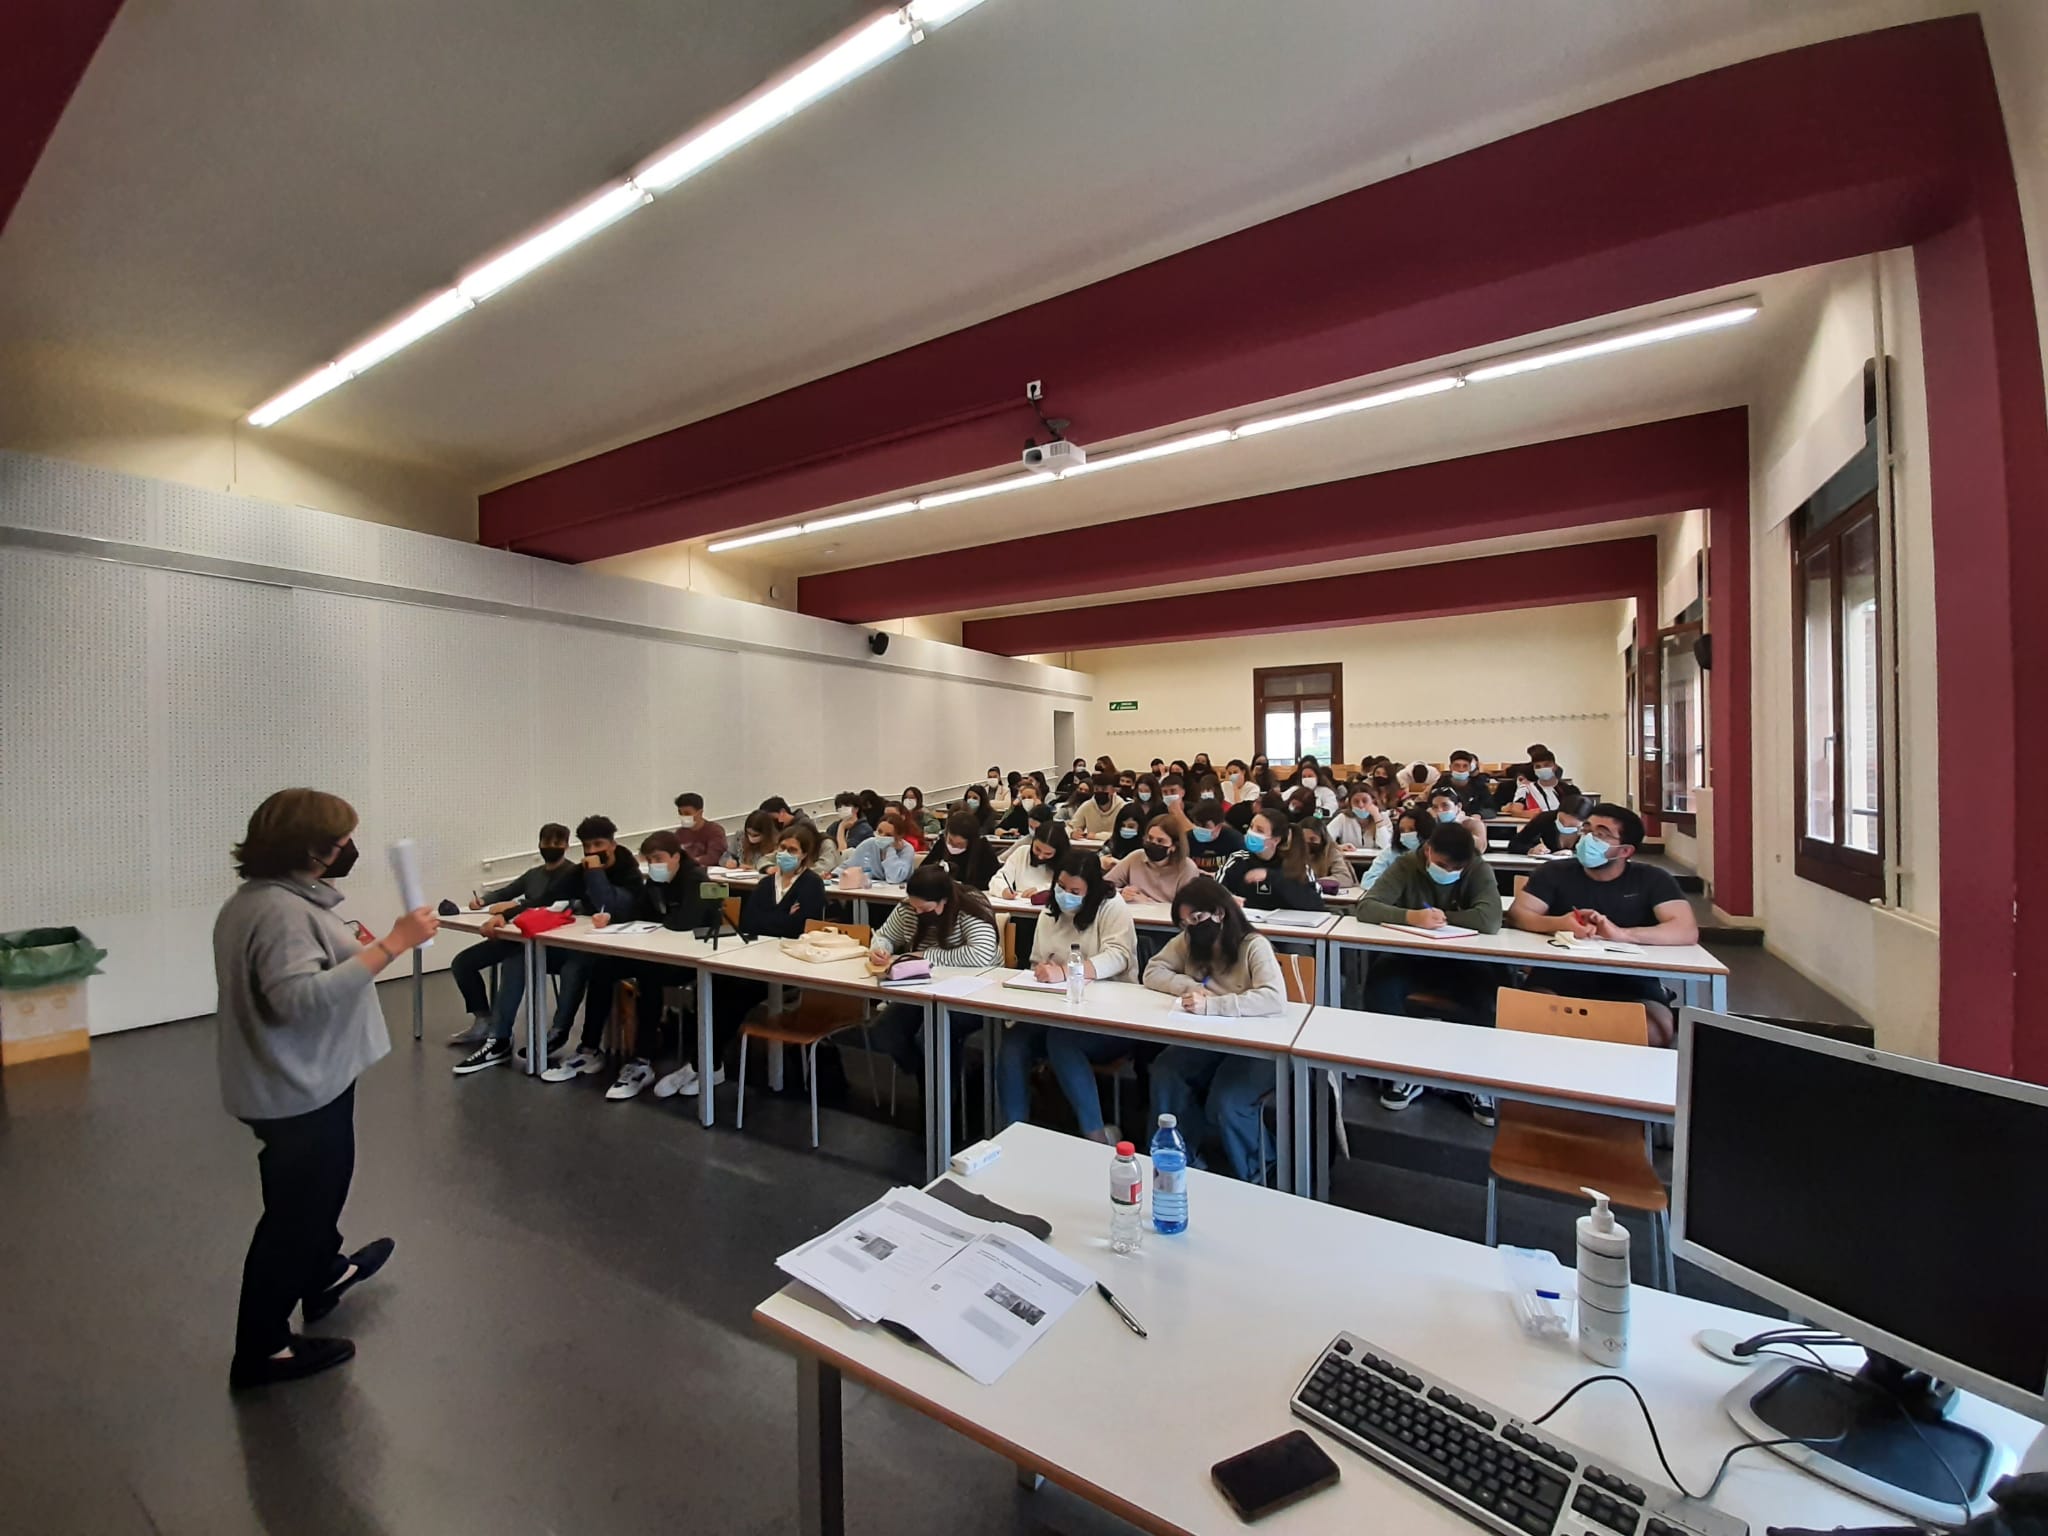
(1583, 1018)
(1520, 881)
(1009, 946)
(860, 931)
(1299, 972)
(732, 911)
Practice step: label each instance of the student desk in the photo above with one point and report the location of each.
(454, 922)
(1135, 1012)
(1701, 979)
(663, 947)
(1238, 1308)
(1635, 1082)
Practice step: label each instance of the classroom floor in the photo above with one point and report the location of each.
(562, 1342)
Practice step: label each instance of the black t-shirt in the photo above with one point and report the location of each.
(1538, 829)
(1629, 901)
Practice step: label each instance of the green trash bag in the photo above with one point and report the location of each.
(46, 957)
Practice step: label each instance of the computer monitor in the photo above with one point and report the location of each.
(1902, 1203)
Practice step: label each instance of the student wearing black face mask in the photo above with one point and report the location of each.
(963, 852)
(546, 883)
(1096, 816)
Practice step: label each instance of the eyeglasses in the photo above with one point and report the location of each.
(1191, 919)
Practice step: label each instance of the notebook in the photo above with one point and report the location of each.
(1448, 931)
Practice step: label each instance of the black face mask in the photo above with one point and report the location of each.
(1202, 938)
(1157, 854)
(344, 861)
(1103, 797)
(1039, 863)
(550, 854)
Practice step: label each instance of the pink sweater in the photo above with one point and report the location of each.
(1147, 881)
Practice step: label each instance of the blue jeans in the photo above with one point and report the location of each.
(573, 969)
(1071, 1054)
(1198, 1087)
(899, 1030)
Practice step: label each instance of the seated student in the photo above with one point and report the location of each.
(888, 857)
(999, 790)
(1364, 824)
(975, 802)
(1473, 787)
(1075, 777)
(754, 848)
(872, 807)
(1553, 831)
(1158, 767)
(1027, 868)
(1538, 783)
(1247, 806)
(1449, 808)
(1158, 867)
(1202, 785)
(1605, 894)
(1299, 804)
(1096, 816)
(1309, 775)
(778, 908)
(1200, 766)
(1028, 799)
(783, 812)
(909, 823)
(1104, 764)
(702, 838)
(671, 895)
(1177, 769)
(927, 820)
(1320, 854)
(1145, 794)
(1216, 965)
(1443, 882)
(1127, 785)
(1211, 839)
(1124, 836)
(1412, 825)
(848, 829)
(587, 898)
(1173, 801)
(963, 852)
(1086, 914)
(1237, 782)
(945, 923)
(1272, 870)
(547, 882)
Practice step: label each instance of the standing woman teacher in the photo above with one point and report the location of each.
(299, 1023)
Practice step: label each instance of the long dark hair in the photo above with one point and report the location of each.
(934, 882)
(1053, 834)
(1202, 894)
(1084, 866)
(1134, 814)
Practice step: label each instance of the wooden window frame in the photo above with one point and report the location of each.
(1684, 821)
(1851, 871)
(1336, 671)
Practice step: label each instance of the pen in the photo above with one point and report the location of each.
(1122, 1311)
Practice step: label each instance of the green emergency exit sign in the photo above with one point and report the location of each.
(1117, 704)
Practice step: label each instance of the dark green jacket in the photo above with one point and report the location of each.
(1474, 902)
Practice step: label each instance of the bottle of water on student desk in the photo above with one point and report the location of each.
(1169, 1177)
(1126, 1200)
(1077, 976)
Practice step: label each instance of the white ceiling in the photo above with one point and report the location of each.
(238, 192)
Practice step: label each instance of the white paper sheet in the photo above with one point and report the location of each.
(993, 1301)
(872, 1258)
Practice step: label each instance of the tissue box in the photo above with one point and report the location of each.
(41, 1022)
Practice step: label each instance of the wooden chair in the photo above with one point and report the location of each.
(1565, 1150)
(816, 1018)
(1008, 935)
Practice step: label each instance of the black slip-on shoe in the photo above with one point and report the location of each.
(368, 1260)
(308, 1356)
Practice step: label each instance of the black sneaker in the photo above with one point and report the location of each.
(490, 1054)
(308, 1356)
(1480, 1106)
(1393, 1096)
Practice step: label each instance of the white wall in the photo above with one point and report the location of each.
(1884, 963)
(1416, 689)
(149, 701)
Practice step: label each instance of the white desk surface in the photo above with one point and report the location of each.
(1240, 1306)
(765, 958)
(1597, 1072)
(1128, 1009)
(665, 946)
(1516, 944)
(473, 922)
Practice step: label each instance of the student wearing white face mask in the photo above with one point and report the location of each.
(1029, 797)
(963, 852)
(1237, 783)
(1412, 825)
(998, 790)
(913, 802)
(1448, 807)
(702, 838)
(1309, 775)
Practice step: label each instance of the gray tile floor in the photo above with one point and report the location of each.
(562, 1342)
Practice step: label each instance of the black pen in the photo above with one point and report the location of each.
(1122, 1311)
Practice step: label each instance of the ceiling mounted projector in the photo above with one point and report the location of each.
(1055, 456)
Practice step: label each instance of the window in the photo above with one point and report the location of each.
(1837, 697)
(1299, 711)
(1682, 694)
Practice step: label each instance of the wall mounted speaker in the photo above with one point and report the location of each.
(878, 643)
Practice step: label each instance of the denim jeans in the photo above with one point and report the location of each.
(1072, 1054)
(899, 1030)
(572, 967)
(1203, 1088)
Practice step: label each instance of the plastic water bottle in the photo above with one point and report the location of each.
(1169, 1177)
(1077, 975)
(1126, 1200)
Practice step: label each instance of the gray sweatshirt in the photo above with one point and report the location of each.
(298, 1024)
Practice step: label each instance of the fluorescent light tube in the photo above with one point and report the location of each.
(846, 519)
(929, 15)
(567, 232)
(429, 317)
(1415, 391)
(1156, 451)
(1624, 341)
(976, 492)
(858, 54)
(305, 392)
(755, 538)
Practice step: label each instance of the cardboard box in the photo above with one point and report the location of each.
(42, 1022)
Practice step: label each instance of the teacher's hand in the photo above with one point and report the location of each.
(412, 930)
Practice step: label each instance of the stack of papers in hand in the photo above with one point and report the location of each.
(980, 1293)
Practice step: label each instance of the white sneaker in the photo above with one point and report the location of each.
(580, 1062)
(636, 1076)
(690, 1090)
(683, 1080)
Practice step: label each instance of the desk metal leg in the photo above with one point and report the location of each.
(1329, 1117)
(419, 994)
(1284, 1170)
(707, 1112)
(536, 1005)
(991, 1042)
(820, 1464)
(938, 1089)
(1717, 994)
(1304, 1127)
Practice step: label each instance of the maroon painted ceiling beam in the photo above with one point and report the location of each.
(1573, 482)
(45, 46)
(1712, 180)
(1581, 573)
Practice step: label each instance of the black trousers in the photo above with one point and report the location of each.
(468, 970)
(648, 980)
(732, 999)
(306, 1163)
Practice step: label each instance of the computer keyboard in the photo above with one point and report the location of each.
(1483, 1461)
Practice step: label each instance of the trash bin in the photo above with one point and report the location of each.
(42, 993)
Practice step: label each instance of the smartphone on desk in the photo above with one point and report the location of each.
(1272, 1476)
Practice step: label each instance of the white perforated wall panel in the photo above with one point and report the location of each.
(229, 527)
(57, 497)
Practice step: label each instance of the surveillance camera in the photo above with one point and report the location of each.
(1035, 390)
